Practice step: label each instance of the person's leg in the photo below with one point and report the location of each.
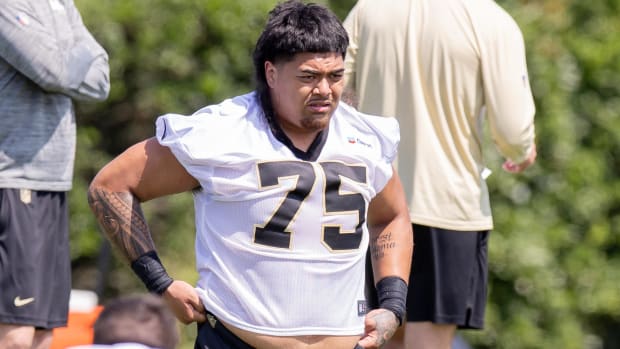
(12, 333)
(447, 286)
(422, 335)
(24, 337)
(16, 337)
(427, 335)
(398, 339)
(42, 339)
(35, 270)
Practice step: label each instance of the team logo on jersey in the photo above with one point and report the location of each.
(355, 140)
(362, 308)
(22, 18)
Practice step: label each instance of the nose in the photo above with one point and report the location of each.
(322, 87)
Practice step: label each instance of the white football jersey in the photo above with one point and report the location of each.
(281, 242)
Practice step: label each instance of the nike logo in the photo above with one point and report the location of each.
(18, 302)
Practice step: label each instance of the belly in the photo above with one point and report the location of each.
(261, 341)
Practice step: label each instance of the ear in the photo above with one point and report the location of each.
(271, 73)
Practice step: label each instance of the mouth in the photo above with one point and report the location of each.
(320, 106)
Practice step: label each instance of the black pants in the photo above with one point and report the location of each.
(213, 335)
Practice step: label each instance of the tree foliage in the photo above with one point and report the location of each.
(555, 253)
(555, 250)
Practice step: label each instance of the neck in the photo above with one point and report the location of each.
(301, 141)
(300, 137)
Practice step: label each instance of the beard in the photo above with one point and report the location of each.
(316, 122)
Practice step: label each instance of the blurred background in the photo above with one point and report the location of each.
(555, 250)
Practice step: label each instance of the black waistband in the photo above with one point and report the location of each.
(212, 334)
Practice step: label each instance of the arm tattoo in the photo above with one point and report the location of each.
(121, 218)
(381, 244)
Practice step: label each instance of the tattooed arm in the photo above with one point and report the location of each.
(391, 235)
(391, 248)
(143, 172)
(121, 218)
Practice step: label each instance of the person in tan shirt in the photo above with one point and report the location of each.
(442, 68)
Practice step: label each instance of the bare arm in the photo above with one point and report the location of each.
(391, 235)
(144, 171)
(391, 248)
(121, 218)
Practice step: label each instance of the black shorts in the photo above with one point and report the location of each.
(35, 265)
(213, 335)
(448, 281)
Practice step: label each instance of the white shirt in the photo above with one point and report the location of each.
(281, 242)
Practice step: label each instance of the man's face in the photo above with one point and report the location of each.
(305, 91)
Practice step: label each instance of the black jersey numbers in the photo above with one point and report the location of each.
(274, 232)
(337, 202)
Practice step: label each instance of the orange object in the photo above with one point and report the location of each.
(79, 330)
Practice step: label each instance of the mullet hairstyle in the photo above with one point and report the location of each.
(294, 27)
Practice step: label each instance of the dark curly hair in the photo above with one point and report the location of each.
(294, 27)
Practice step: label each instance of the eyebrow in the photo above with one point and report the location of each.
(316, 72)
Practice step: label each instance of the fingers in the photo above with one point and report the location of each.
(194, 310)
(386, 326)
(199, 311)
(199, 316)
(511, 167)
(185, 302)
(381, 324)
